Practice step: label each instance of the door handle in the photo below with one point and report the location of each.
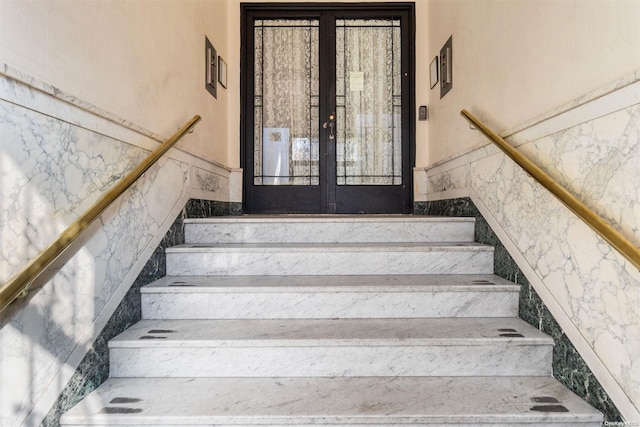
(331, 124)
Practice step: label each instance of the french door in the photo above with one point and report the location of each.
(327, 123)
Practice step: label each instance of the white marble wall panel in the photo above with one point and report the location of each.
(599, 162)
(205, 184)
(57, 156)
(591, 290)
(51, 172)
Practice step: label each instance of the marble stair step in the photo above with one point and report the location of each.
(365, 402)
(348, 296)
(331, 347)
(325, 229)
(329, 258)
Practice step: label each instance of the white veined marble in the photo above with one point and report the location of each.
(330, 347)
(333, 361)
(338, 331)
(463, 401)
(381, 296)
(592, 291)
(292, 259)
(329, 230)
(325, 305)
(57, 156)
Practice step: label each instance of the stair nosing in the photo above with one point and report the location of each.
(400, 332)
(331, 343)
(150, 289)
(315, 247)
(299, 284)
(258, 219)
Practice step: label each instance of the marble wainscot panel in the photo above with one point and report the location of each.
(592, 147)
(568, 366)
(58, 156)
(94, 368)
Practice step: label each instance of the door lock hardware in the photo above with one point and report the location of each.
(331, 124)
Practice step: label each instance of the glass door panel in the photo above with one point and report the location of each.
(286, 102)
(368, 102)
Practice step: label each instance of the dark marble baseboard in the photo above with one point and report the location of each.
(197, 208)
(94, 368)
(568, 366)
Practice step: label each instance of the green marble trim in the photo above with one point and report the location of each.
(196, 208)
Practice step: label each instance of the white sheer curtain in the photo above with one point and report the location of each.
(286, 105)
(368, 70)
(368, 89)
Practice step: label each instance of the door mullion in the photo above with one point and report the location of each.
(327, 107)
(408, 109)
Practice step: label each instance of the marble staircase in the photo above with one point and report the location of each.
(341, 321)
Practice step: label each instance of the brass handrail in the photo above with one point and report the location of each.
(593, 220)
(18, 285)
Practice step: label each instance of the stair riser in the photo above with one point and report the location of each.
(498, 359)
(306, 232)
(190, 263)
(328, 305)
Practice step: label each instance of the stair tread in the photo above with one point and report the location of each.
(330, 332)
(306, 331)
(296, 401)
(337, 283)
(331, 247)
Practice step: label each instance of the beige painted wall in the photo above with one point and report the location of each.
(515, 60)
(140, 60)
(422, 82)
